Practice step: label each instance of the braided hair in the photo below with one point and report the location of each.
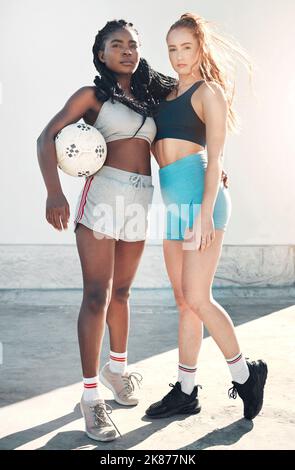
(148, 86)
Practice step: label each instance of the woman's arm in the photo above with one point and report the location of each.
(57, 207)
(215, 116)
(214, 111)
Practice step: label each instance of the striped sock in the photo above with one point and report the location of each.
(118, 362)
(238, 368)
(186, 377)
(90, 388)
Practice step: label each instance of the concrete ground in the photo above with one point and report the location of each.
(41, 375)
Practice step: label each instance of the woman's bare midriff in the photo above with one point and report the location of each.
(167, 151)
(129, 155)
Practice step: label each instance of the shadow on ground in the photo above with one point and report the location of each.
(38, 333)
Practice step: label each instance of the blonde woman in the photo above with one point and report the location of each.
(192, 123)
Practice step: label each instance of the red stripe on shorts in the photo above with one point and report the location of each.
(83, 199)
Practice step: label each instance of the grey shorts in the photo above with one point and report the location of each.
(115, 203)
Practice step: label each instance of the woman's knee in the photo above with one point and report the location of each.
(180, 301)
(197, 302)
(121, 293)
(96, 298)
(200, 306)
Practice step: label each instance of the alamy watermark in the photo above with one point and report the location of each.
(139, 221)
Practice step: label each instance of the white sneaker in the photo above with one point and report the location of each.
(121, 385)
(98, 424)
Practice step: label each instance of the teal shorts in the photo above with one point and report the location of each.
(182, 188)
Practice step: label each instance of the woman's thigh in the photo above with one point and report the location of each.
(173, 255)
(97, 258)
(127, 258)
(199, 268)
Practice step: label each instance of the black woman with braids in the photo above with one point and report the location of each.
(120, 106)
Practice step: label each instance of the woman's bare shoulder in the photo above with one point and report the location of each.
(212, 90)
(87, 93)
(81, 104)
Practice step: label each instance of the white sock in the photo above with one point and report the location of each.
(238, 368)
(186, 377)
(91, 389)
(118, 362)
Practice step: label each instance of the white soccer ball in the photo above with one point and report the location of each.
(81, 149)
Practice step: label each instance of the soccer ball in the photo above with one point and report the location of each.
(80, 149)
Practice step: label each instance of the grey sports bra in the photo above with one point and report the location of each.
(116, 121)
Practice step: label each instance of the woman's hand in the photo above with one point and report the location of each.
(207, 234)
(202, 234)
(57, 211)
(224, 178)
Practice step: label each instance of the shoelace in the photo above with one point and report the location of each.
(100, 411)
(137, 181)
(170, 394)
(128, 382)
(233, 392)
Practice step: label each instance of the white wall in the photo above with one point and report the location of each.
(45, 55)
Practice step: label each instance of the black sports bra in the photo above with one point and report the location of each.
(177, 119)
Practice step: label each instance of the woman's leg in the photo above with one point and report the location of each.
(127, 258)
(197, 278)
(114, 374)
(183, 398)
(190, 331)
(97, 262)
(198, 273)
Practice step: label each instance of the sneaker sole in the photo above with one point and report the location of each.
(264, 377)
(263, 380)
(107, 439)
(265, 372)
(188, 410)
(110, 387)
(96, 438)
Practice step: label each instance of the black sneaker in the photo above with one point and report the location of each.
(251, 392)
(175, 402)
